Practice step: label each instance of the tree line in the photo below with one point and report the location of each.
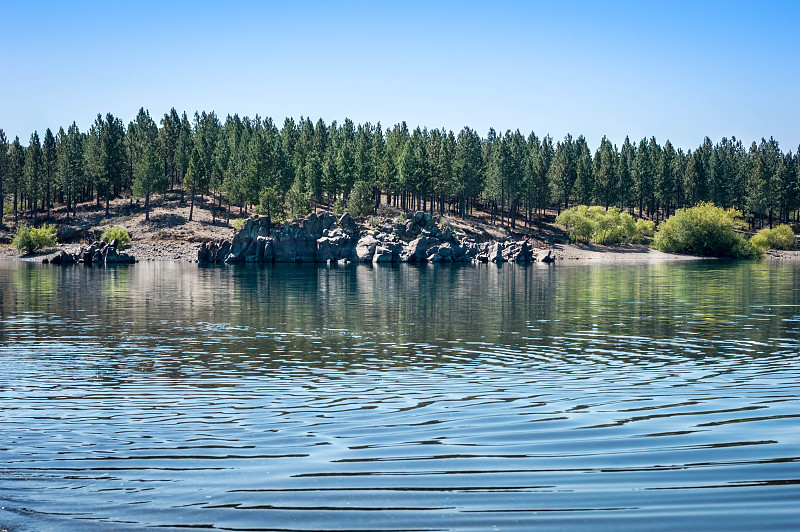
(251, 163)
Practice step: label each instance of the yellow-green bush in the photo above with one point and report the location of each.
(122, 236)
(705, 230)
(596, 224)
(781, 237)
(29, 239)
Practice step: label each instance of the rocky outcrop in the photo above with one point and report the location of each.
(328, 238)
(96, 253)
(315, 238)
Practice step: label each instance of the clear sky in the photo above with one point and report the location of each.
(673, 70)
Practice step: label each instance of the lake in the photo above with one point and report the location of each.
(441, 397)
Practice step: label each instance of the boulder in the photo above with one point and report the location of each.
(496, 252)
(222, 252)
(110, 255)
(544, 255)
(417, 248)
(382, 254)
(365, 249)
(347, 223)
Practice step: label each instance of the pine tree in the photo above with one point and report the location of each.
(183, 151)
(665, 179)
(468, 167)
(625, 184)
(642, 175)
(168, 143)
(605, 170)
(71, 164)
(584, 177)
(3, 172)
(563, 172)
(16, 168)
(33, 174)
(148, 173)
(194, 179)
(50, 164)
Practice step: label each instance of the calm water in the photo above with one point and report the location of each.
(166, 396)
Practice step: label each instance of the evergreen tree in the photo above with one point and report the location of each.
(642, 175)
(758, 183)
(50, 164)
(515, 172)
(194, 180)
(16, 168)
(665, 179)
(494, 158)
(625, 183)
(183, 151)
(3, 172)
(168, 143)
(149, 176)
(34, 166)
(584, 178)
(563, 172)
(71, 164)
(542, 166)
(605, 171)
(468, 163)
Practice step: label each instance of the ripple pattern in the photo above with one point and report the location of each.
(269, 410)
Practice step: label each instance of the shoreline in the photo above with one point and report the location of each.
(184, 251)
(168, 236)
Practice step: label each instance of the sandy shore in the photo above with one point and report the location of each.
(617, 254)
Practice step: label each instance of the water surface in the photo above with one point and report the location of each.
(601, 397)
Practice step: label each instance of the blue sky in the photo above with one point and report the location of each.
(673, 70)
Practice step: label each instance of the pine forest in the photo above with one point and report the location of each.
(243, 165)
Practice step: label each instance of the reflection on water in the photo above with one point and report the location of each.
(400, 398)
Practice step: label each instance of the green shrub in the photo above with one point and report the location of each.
(596, 224)
(781, 237)
(705, 230)
(122, 236)
(29, 238)
(645, 229)
(238, 223)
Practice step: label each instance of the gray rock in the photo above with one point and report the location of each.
(417, 248)
(382, 254)
(110, 256)
(223, 252)
(446, 250)
(261, 244)
(294, 249)
(347, 223)
(365, 249)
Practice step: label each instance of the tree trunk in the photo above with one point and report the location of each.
(191, 208)
(147, 207)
